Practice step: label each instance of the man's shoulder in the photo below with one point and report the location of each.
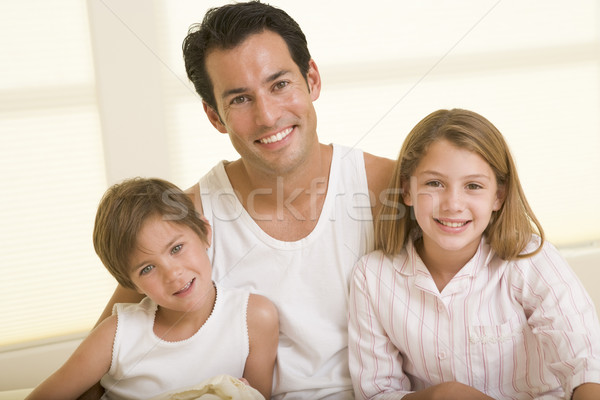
(379, 171)
(193, 193)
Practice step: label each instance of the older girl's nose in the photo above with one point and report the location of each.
(452, 199)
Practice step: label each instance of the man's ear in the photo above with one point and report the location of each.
(313, 79)
(213, 117)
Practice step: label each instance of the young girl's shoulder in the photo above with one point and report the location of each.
(262, 310)
(146, 307)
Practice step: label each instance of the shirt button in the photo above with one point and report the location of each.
(442, 355)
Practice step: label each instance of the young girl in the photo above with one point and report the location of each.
(187, 329)
(463, 298)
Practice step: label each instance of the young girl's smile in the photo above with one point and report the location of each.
(453, 192)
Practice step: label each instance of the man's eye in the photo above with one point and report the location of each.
(281, 84)
(176, 249)
(146, 269)
(239, 100)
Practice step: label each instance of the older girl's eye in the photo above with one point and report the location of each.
(433, 183)
(176, 249)
(474, 186)
(146, 269)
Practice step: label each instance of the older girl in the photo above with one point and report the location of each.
(463, 297)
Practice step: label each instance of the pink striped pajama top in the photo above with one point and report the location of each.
(517, 329)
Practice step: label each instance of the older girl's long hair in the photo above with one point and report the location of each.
(510, 228)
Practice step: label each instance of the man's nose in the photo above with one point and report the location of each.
(266, 110)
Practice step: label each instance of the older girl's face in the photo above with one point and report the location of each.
(453, 192)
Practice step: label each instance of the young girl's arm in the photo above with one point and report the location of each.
(88, 363)
(263, 333)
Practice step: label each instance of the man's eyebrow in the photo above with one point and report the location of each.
(276, 75)
(241, 90)
(231, 92)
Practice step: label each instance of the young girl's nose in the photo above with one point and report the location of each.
(172, 271)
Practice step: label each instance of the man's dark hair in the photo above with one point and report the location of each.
(226, 27)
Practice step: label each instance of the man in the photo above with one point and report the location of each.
(292, 215)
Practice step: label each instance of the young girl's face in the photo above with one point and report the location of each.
(453, 192)
(170, 265)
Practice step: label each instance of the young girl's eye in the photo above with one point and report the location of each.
(146, 269)
(176, 249)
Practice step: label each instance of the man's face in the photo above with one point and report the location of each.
(265, 104)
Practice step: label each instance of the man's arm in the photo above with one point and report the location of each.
(121, 295)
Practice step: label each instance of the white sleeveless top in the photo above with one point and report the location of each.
(144, 366)
(308, 280)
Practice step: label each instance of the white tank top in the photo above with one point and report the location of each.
(144, 366)
(308, 279)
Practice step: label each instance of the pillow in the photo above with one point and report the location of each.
(220, 387)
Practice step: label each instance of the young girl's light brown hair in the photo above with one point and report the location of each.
(123, 210)
(510, 228)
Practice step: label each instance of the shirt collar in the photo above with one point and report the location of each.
(409, 262)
